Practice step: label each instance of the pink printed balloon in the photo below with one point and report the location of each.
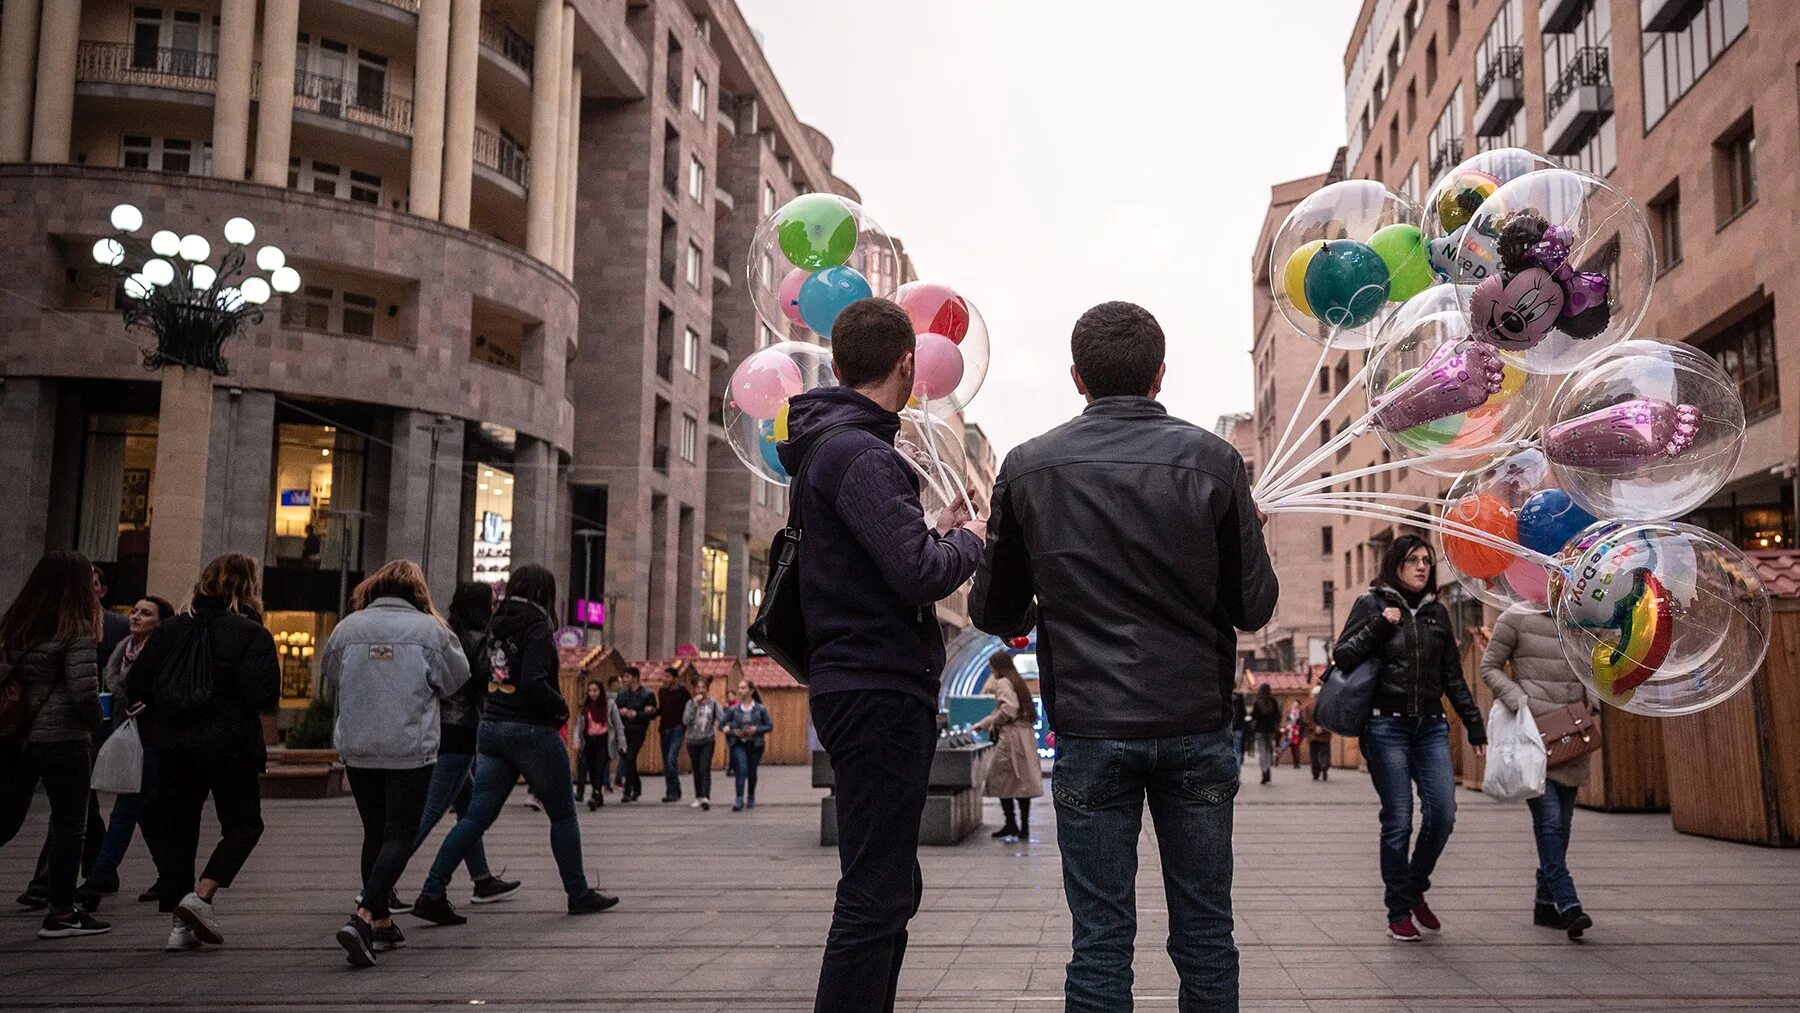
(1625, 436)
(938, 366)
(790, 294)
(763, 381)
(935, 309)
(1530, 581)
(1452, 382)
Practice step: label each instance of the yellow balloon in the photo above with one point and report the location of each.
(781, 420)
(1293, 276)
(1513, 381)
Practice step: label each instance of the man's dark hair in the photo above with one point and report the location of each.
(633, 672)
(1118, 347)
(868, 339)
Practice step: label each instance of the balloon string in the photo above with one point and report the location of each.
(1443, 525)
(1342, 437)
(931, 478)
(1376, 469)
(1403, 497)
(1282, 450)
(937, 460)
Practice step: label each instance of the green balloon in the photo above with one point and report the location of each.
(1346, 283)
(1402, 249)
(816, 230)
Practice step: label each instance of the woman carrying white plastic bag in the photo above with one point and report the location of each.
(1516, 758)
(119, 768)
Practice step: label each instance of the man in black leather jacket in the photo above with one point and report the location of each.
(1128, 538)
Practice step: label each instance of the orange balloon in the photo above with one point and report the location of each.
(1477, 559)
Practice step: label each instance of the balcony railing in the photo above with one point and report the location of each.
(504, 39)
(352, 102)
(504, 156)
(1592, 66)
(124, 63)
(405, 5)
(1508, 62)
(1500, 91)
(1449, 152)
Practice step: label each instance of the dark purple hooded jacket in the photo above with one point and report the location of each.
(870, 569)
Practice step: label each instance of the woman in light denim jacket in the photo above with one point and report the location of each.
(746, 724)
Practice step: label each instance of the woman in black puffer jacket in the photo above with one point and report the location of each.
(210, 741)
(1400, 625)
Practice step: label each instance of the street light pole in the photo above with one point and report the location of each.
(587, 536)
(437, 427)
(349, 517)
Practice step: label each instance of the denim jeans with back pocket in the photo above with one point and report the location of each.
(1100, 787)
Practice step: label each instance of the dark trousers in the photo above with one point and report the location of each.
(390, 803)
(93, 842)
(129, 814)
(634, 741)
(700, 756)
(184, 780)
(671, 750)
(1321, 758)
(1551, 814)
(450, 792)
(881, 744)
(596, 758)
(64, 768)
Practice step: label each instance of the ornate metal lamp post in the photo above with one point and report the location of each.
(193, 304)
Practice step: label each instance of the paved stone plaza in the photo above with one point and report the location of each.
(726, 911)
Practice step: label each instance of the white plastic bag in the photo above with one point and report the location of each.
(119, 768)
(1516, 757)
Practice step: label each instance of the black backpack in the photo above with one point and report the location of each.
(185, 683)
(779, 630)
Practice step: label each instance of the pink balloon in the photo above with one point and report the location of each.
(1529, 580)
(1452, 382)
(1624, 437)
(938, 366)
(763, 381)
(790, 294)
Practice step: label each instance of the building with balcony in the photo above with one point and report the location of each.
(1675, 103)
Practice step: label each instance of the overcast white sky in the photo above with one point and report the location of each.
(1045, 155)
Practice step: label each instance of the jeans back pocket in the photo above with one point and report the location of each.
(1087, 773)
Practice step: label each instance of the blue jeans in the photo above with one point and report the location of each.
(671, 747)
(450, 789)
(1237, 745)
(1551, 814)
(509, 749)
(745, 758)
(1100, 786)
(129, 814)
(1402, 752)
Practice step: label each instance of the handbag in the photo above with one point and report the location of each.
(119, 767)
(1346, 698)
(779, 629)
(1570, 733)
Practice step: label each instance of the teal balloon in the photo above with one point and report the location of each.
(767, 443)
(1346, 283)
(824, 294)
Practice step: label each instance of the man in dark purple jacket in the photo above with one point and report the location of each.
(870, 571)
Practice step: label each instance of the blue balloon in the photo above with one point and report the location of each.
(767, 443)
(1549, 519)
(825, 293)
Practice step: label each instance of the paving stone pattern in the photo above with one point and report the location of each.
(726, 911)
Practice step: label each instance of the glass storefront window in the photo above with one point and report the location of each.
(317, 468)
(715, 565)
(493, 524)
(116, 484)
(300, 645)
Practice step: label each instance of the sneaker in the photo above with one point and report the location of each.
(181, 938)
(151, 893)
(1545, 915)
(751, 804)
(200, 916)
(695, 804)
(706, 805)
(437, 911)
(357, 938)
(34, 901)
(594, 803)
(75, 923)
(592, 902)
(1404, 931)
(738, 806)
(671, 798)
(490, 890)
(1575, 921)
(385, 938)
(580, 795)
(1424, 919)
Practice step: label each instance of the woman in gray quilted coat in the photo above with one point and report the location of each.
(1541, 678)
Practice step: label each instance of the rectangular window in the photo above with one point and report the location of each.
(165, 154)
(1665, 217)
(671, 159)
(358, 314)
(690, 438)
(690, 350)
(332, 180)
(767, 271)
(1325, 540)
(1738, 164)
(764, 336)
(1446, 142)
(696, 180)
(1412, 103)
(1673, 61)
(768, 200)
(1431, 63)
(1393, 144)
(695, 264)
(1324, 380)
(334, 311)
(697, 102)
(309, 308)
(1328, 593)
(1746, 351)
(1452, 24)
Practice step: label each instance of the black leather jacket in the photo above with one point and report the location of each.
(1128, 538)
(1419, 660)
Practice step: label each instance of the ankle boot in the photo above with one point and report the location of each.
(1025, 819)
(1011, 829)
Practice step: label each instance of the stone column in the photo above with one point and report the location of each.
(18, 64)
(424, 501)
(572, 170)
(737, 592)
(53, 107)
(546, 97)
(239, 468)
(275, 93)
(28, 412)
(459, 111)
(178, 496)
(432, 63)
(534, 500)
(231, 96)
(559, 221)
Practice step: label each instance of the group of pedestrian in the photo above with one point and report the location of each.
(1274, 734)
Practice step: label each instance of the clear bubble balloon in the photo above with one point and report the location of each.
(812, 257)
(1652, 430)
(935, 450)
(1568, 266)
(756, 401)
(1434, 389)
(951, 358)
(1461, 191)
(1515, 499)
(1345, 256)
(1660, 618)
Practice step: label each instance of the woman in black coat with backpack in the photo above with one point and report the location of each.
(1399, 624)
(205, 677)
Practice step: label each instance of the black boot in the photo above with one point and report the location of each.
(1011, 829)
(1545, 915)
(1574, 921)
(1025, 819)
